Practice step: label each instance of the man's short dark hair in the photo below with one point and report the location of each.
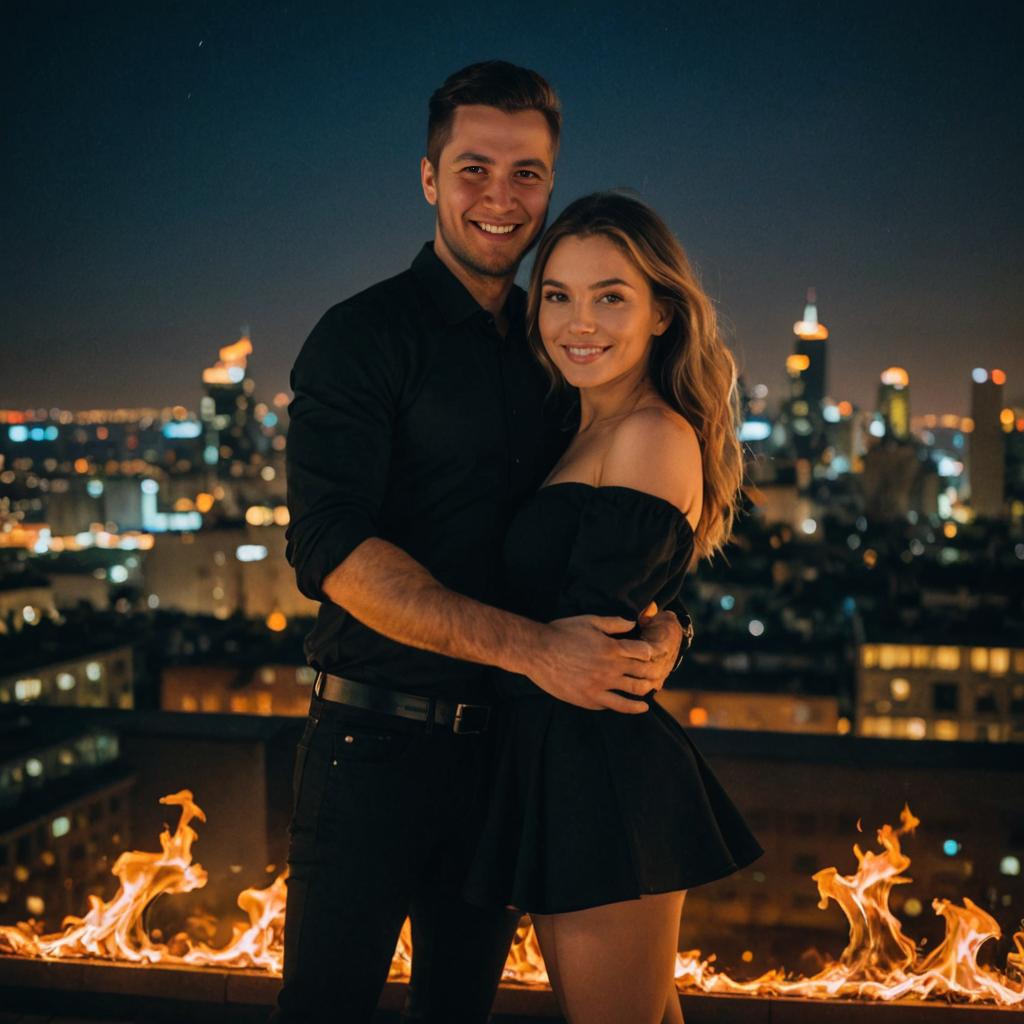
(491, 83)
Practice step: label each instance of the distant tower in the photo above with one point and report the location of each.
(894, 402)
(226, 407)
(987, 466)
(810, 342)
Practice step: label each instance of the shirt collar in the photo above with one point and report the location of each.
(449, 294)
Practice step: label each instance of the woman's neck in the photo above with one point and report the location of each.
(613, 400)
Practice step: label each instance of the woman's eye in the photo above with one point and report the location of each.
(554, 296)
(611, 299)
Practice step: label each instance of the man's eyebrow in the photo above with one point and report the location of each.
(477, 158)
(606, 283)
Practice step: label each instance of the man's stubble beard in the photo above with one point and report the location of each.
(481, 269)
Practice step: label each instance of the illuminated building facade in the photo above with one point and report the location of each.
(940, 691)
(227, 570)
(987, 470)
(65, 815)
(211, 689)
(97, 679)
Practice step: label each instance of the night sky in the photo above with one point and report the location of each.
(173, 172)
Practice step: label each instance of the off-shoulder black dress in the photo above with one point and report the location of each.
(594, 807)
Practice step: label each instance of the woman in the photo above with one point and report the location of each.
(599, 823)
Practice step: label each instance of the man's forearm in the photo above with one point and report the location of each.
(389, 591)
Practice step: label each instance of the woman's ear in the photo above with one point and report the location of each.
(663, 319)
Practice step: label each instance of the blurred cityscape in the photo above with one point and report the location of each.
(861, 646)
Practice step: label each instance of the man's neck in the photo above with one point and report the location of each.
(490, 292)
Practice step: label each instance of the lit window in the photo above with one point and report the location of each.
(899, 688)
(916, 728)
(264, 703)
(28, 689)
(869, 655)
(93, 671)
(998, 661)
(65, 681)
(60, 826)
(946, 730)
(210, 702)
(268, 675)
(921, 656)
(33, 767)
(979, 659)
(698, 716)
(1018, 662)
(1010, 865)
(947, 658)
(189, 703)
(239, 703)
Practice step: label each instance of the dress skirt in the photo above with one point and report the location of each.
(595, 807)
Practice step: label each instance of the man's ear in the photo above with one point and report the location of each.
(428, 179)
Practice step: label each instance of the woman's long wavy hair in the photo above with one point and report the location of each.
(689, 364)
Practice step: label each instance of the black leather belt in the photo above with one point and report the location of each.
(460, 718)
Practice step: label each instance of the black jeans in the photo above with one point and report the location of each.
(385, 822)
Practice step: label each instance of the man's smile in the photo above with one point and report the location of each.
(494, 228)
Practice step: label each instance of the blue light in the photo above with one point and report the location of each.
(750, 430)
(979, 375)
(728, 602)
(950, 847)
(210, 455)
(37, 434)
(182, 429)
(958, 440)
(94, 488)
(51, 433)
(270, 420)
(18, 433)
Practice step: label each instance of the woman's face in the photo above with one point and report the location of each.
(597, 312)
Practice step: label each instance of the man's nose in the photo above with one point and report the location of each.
(499, 195)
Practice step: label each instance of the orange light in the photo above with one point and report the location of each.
(1006, 417)
(102, 433)
(204, 502)
(871, 558)
(748, 956)
(998, 377)
(698, 716)
(797, 363)
(949, 530)
(81, 465)
(896, 376)
(276, 622)
(845, 408)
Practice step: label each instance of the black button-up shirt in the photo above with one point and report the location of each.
(413, 420)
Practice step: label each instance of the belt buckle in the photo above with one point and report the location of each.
(470, 718)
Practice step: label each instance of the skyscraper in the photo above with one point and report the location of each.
(226, 408)
(810, 342)
(894, 402)
(987, 471)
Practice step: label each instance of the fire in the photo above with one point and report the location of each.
(879, 961)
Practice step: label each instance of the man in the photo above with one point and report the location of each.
(418, 424)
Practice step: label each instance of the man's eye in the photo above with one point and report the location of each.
(473, 168)
(529, 174)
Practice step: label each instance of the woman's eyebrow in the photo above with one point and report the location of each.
(606, 283)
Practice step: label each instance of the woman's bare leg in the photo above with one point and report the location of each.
(614, 963)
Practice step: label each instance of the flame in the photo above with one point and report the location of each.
(879, 961)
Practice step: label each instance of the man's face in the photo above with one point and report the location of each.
(491, 188)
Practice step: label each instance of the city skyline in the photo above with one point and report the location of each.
(177, 177)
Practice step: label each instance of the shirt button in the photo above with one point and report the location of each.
(516, 460)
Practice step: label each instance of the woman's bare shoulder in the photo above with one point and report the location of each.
(655, 449)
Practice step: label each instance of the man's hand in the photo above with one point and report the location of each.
(664, 633)
(577, 661)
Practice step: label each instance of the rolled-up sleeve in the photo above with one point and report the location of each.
(345, 384)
